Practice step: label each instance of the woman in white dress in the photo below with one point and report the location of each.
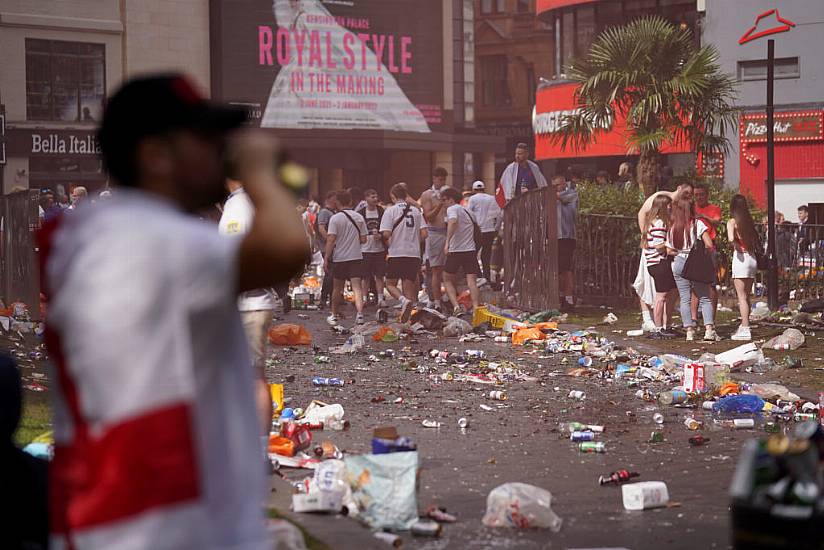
(289, 107)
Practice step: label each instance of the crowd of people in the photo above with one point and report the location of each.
(671, 223)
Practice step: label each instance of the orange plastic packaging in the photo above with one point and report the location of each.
(728, 388)
(522, 335)
(287, 334)
(281, 445)
(381, 332)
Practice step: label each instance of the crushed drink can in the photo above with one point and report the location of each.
(463, 423)
(322, 381)
(656, 437)
(498, 395)
(577, 394)
(321, 359)
(592, 447)
(474, 354)
(578, 437)
(743, 423)
(426, 528)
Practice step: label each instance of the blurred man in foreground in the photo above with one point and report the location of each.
(156, 436)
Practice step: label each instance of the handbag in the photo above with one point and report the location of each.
(699, 266)
(477, 235)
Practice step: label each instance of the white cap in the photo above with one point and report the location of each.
(478, 185)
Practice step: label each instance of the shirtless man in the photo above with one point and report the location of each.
(434, 214)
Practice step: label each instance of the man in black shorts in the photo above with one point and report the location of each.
(459, 249)
(374, 251)
(402, 228)
(346, 234)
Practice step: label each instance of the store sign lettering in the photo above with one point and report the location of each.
(68, 144)
(805, 126)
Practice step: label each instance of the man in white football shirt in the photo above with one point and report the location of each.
(459, 249)
(256, 306)
(489, 216)
(346, 234)
(155, 433)
(402, 227)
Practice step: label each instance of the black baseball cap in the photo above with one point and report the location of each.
(154, 105)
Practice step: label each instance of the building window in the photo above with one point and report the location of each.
(494, 88)
(65, 81)
(493, 6)
(756, 69)
(523, 6)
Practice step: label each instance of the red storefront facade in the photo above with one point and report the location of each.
(799, 150)
(575, 24)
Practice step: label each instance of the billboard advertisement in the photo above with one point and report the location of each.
(331, 64)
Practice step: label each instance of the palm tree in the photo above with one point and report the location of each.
(668, 90)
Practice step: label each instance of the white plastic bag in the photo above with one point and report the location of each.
(456, 327)
(383, 486)
(791, 339)
(522, 506)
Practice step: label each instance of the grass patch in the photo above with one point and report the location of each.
(35, 420)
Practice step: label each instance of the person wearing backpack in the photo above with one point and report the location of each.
(374, 251)
(460, 248)
(330, 207)
(402, 228)
(346, 234)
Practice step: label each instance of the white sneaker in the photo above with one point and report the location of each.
(742, 334)
(648, 326)
(690, 334)
(332, 320)
(711, 336)
(359, 319)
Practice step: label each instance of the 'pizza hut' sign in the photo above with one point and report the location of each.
(795, 126)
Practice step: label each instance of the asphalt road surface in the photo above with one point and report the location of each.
(520, 440)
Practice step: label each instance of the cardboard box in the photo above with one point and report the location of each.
(318, 501)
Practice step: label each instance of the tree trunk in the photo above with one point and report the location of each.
(648, 171)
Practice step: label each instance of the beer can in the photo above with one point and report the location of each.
(692, 423)
(577, 394)
(463, 423)
(801, 416)
(578, 437)
(389, 538)
(592, 447)
(426, 528)
(743, 423)
(498, 395)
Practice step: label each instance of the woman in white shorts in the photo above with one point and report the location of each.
(745, 242)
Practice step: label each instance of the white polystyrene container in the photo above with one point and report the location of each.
(645, 495)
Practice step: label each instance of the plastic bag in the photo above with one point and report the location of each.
(744, 404)
(353, 344)
(383, 486)
(792, 339)
(522, 506)
(522, 335)
(456, 327)
(330, 415)
(773, 391)
(287, 334)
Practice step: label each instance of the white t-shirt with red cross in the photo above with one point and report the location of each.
(156, 436)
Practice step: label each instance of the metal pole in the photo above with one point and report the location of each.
(772, 273)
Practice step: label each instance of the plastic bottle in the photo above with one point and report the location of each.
(617, 477)
(672, 397)
(739, 404)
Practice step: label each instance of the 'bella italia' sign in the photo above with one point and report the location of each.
(52, 143)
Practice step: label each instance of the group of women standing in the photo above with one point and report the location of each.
(672, 230)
